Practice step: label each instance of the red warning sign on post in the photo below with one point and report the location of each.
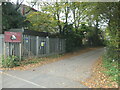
(13, 37)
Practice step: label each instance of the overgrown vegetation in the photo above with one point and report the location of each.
(10, 61)
(13, 61)
(112, 54)
(112, 69)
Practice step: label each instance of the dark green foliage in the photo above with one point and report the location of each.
(10, 17)
(113, 29)
(72, 41)
(73, 38)
(94, 37)
(9, 62)
(69, 34)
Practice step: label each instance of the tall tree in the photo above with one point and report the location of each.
(11, 18)
(109, 13)
(55, 10)
(42, 22)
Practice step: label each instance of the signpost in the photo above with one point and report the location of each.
(13, 37)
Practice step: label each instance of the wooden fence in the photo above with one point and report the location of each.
(33, 46)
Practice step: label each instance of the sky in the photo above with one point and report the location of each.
(25, 1)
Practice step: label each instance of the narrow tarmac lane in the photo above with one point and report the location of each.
(65, 73)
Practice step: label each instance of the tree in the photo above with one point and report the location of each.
(11, 18)
(41, 22)
(55, 10)
(110, 14)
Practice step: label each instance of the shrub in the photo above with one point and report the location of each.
(10, 61)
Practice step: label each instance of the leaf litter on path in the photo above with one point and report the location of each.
(98, 79)
(46, 60)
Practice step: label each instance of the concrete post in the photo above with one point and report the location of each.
(47, 46)
(37, 45)
(29, 49)
(20, 47)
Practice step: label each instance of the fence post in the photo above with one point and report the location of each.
(37, 45)
(4, 50)
(64, 45)
(29, 46)
(47, 46)
(20, 51)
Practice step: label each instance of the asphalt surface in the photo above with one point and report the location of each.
(0, 80)
(65, 73)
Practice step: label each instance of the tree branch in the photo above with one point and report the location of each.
(31, 8)
(19, 5)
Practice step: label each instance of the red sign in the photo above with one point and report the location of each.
(13, 37)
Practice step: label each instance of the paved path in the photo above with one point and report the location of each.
(0, 80)
(65, 73)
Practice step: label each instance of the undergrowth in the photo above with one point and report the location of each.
(10, 61)
(111, 67)
(13, 61)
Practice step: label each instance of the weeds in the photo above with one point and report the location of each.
(13, 61)
(10, 61)
(112, 69)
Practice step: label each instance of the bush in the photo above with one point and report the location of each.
(113, 53)
(112, 69)
(10, 61)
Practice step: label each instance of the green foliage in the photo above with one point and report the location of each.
(94, 38)
(10, 61)
(11, 18)
(112, 19)
(109, 13)
(113, 53)
(73, 38)
(66, 20)
(41, 22)
(112, 69)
